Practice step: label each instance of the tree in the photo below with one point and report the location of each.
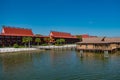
(38, 40)
(47, 40)
(16, 45)
(24, 40)
(62, 41)
(79, 37)
(58, 41)
(29, 39)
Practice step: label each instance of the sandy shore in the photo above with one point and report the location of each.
(4, 50)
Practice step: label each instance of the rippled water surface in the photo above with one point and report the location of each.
(59, 65)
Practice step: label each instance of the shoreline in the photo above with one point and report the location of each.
(12, 50)
(53, 47)
(35, 48)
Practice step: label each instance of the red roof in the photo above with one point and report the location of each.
(12, 31)
(87, 36)
(61, 35)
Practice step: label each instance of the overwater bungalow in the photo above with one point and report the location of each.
(99, 44)
(69, 39)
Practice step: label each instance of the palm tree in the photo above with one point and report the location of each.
(24, 40)
(29, 39)
(47, 40)
(62, 40)
(38, 40)
(58, 41)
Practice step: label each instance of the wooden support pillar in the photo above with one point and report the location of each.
(81, 53)
(106, 55)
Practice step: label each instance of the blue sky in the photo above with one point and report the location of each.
(94, 17)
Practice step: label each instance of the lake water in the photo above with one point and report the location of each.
(59, 65)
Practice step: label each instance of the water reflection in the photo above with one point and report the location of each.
(91, 55)
(14, 61)
(95, 58)
(61, 57)
(62, 65)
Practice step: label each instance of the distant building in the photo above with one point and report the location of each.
(87, 36)
(11, 35)
(13, 31)
(99, 44)
(54, 35)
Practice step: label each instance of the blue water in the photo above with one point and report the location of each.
(59, 65)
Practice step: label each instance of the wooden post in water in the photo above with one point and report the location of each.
(81, 53)
(106, 55)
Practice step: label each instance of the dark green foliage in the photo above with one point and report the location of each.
(79, 37)
(16, 46)
(38, 40)
(27, 40)
(60, 41)
(44, 44)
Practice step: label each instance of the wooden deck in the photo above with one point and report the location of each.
(98, 49)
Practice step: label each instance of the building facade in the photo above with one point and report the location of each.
(12, 35)
(99, 44)
(69, 39)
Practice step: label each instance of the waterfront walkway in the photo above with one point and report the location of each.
(53, 47)
(4, 50)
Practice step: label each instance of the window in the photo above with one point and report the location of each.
(7, 37)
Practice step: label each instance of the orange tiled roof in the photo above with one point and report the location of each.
(61, 35)
(12, 31)
(85, 36)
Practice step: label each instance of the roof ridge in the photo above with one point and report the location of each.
(61, 32)
(15, 27)
(16, 31)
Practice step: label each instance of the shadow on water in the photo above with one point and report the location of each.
(90, 55)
